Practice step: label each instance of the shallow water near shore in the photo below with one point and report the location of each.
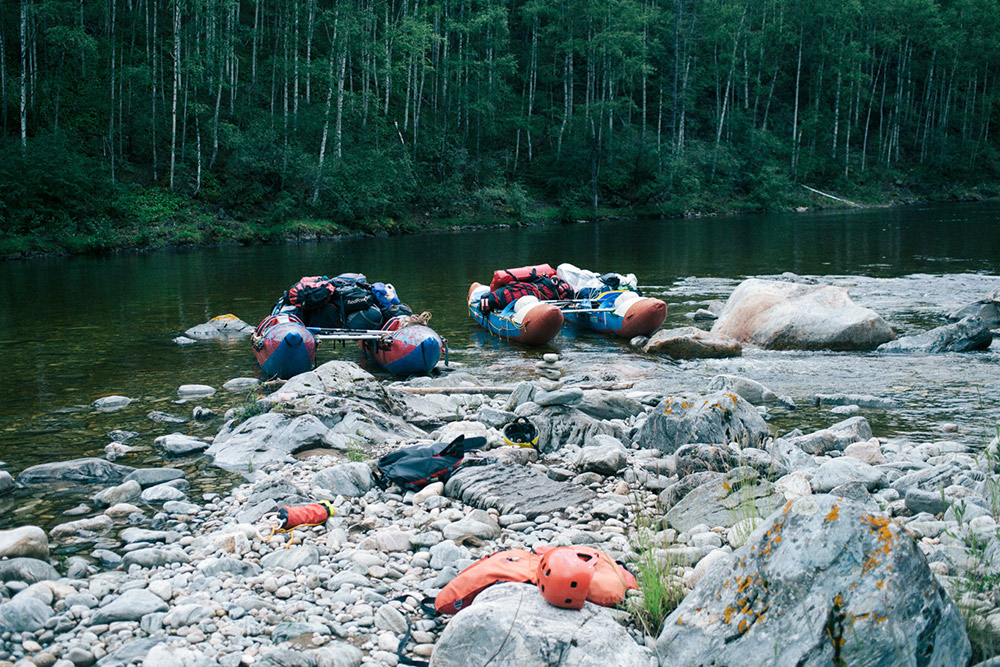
(76, 329)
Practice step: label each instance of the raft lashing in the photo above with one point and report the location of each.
(611, 303)
(285, 342)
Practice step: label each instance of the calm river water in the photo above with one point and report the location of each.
(76, 329)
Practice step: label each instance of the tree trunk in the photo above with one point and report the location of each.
(795, 115)
(177, 85)
(326, 115)
(24, 76)
(111, 76)
(153, 80)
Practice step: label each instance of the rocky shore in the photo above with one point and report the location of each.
(832, 546)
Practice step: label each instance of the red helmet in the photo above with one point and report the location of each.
(564, 576)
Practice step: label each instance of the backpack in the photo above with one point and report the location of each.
(522, 274)
(414, 467)
(310, 293)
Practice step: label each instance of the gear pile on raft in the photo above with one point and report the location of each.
(529, 304)
(344, 308)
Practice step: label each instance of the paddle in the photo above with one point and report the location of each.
(350, 334)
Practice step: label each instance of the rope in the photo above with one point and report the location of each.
(414, 320)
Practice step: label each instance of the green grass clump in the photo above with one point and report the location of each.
(660, 588)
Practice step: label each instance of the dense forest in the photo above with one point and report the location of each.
(144, 121)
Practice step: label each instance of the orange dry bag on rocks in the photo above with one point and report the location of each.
(515, 565)
(522, 274)
(610, 580)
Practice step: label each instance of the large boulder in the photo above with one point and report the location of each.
(26, 542)
(339, 378)
(792, 316)
(563, 425)
(693, 343)
(262, 439)
(716, 419)
(514, 624)
(602, 404)
(85, 471)
(969, 334)
(822, 581)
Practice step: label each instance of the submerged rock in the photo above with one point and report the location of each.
(821, 581)
(968, 335)
(791, 316)
(693, 343)
(86, 471)
(513, 623)
(222, 326)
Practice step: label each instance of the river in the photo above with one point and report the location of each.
(75, 329)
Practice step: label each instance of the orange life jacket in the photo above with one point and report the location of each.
(610, 581)
(607, 588)
(514, 565)
(503, 277)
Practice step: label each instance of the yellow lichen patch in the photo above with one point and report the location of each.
(727, 615)
(743, 626)
(680, 620)
(879, 584)
(834, 513)
(726, 487)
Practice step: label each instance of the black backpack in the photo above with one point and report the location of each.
(414, 467)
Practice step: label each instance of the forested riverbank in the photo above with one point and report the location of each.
(157, 122)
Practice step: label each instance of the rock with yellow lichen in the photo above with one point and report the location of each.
(718, 418)
(822, 581)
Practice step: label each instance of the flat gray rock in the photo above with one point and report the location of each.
(543, 635)
(213, 567)
(723, 501)
(88, 470)
(514, 489)
(129, 606)
(844, 470)
(291, 559)
(154, 557)
(28, 570)
(821, 581)
(152, 476)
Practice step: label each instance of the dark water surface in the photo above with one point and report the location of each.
(75, 329)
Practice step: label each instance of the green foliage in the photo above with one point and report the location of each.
(448, 114)
(661, 590)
